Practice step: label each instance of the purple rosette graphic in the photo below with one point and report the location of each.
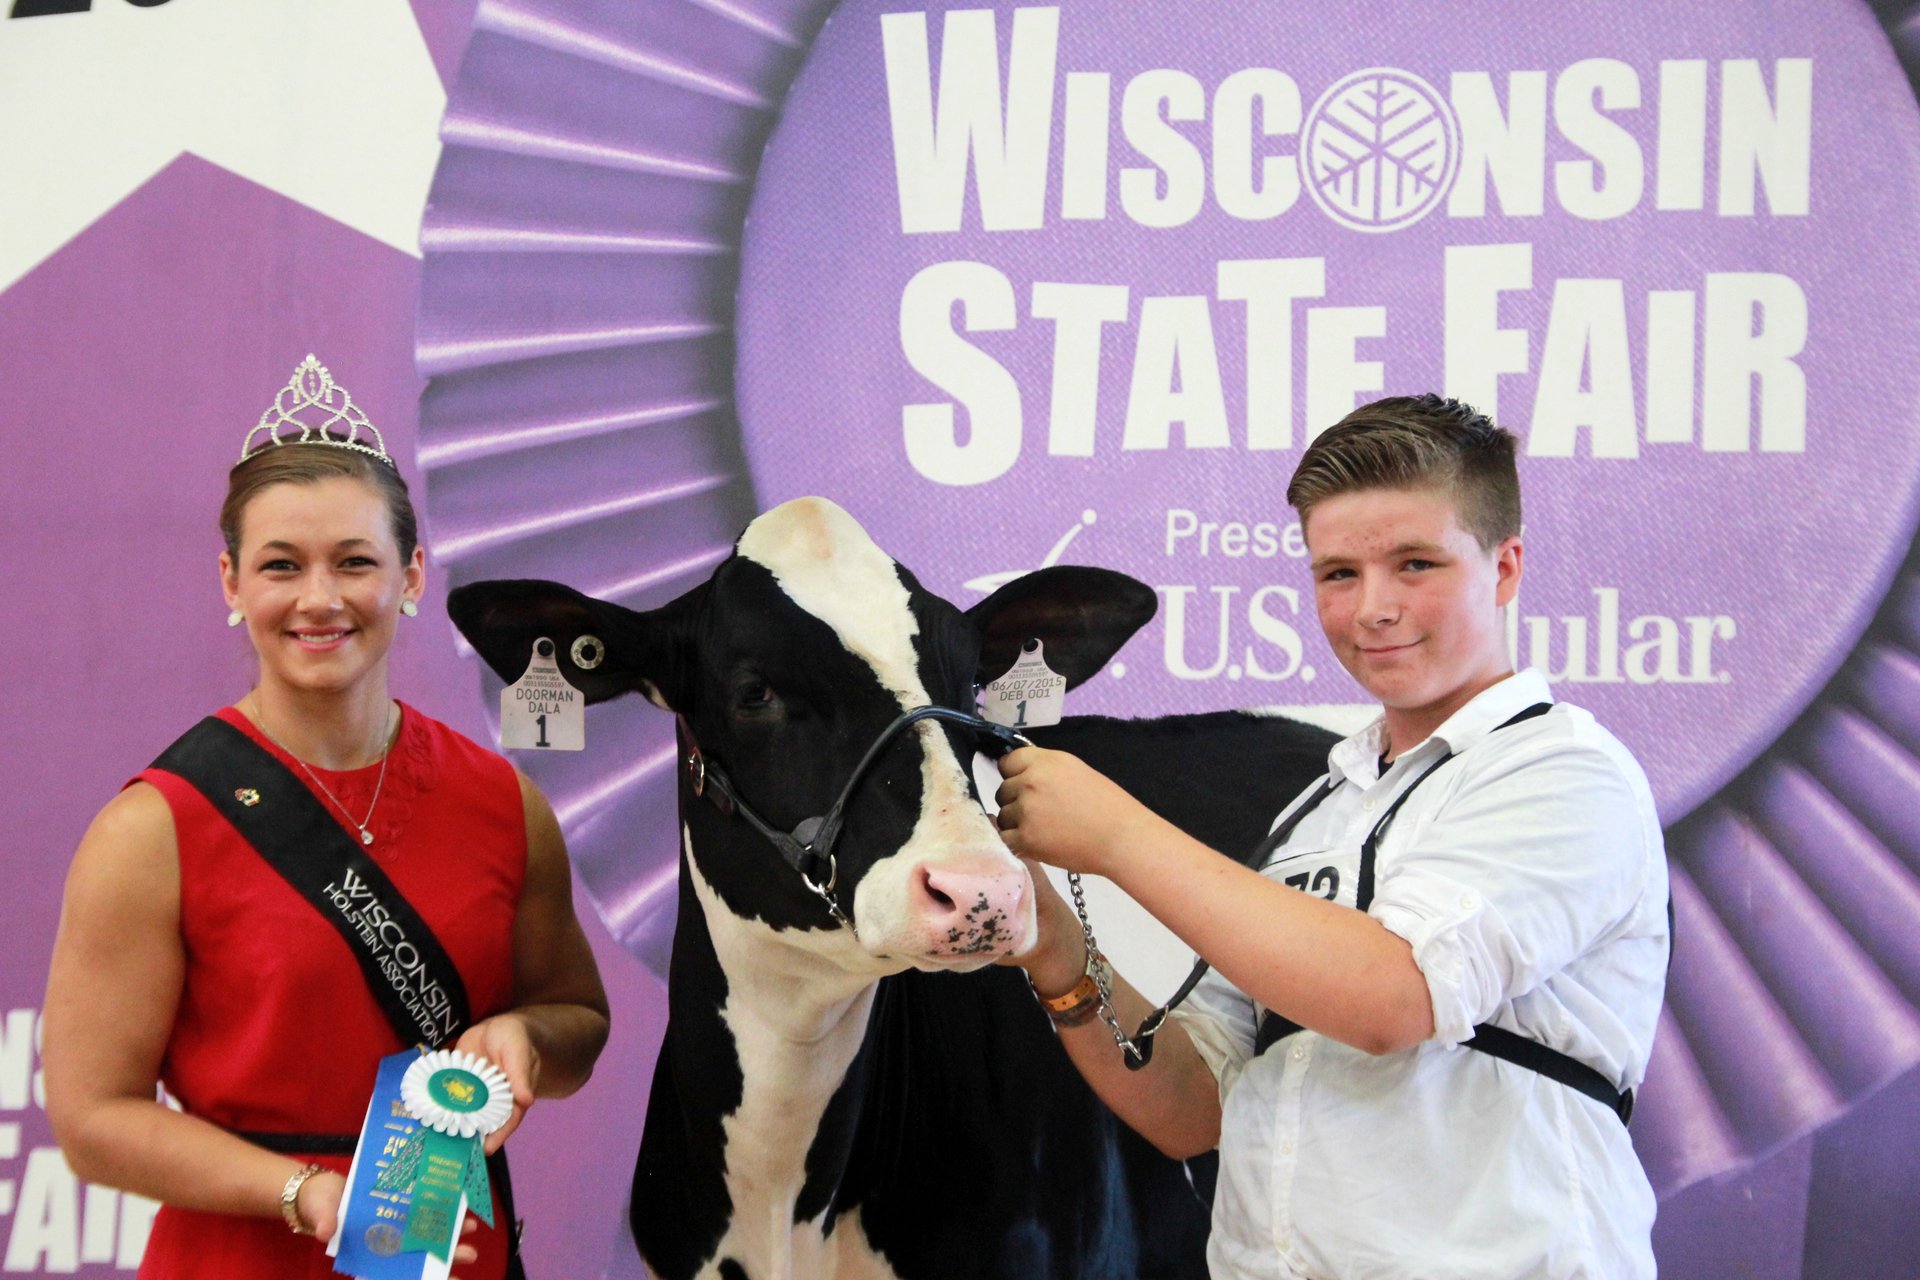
(667, 284)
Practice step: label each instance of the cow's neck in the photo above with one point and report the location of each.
(796, 1010)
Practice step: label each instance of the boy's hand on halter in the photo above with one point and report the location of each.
(1057, 808)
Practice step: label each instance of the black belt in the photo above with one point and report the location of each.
(1494, 1041)
(302, 1144)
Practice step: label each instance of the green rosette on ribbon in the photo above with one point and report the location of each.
(458, 1099)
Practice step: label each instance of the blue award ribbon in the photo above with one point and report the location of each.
(374, 1217)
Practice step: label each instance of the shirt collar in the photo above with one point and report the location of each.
(1358, 757)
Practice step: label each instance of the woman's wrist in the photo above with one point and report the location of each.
(316, 1203)
(1056, 969)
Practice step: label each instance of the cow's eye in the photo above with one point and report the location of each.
(754, 695)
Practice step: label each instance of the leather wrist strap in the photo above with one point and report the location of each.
(1084, 993)
(290, 1199)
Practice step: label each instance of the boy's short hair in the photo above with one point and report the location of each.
(1417, 442)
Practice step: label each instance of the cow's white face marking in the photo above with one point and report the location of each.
(797, 1006)
(827, 565)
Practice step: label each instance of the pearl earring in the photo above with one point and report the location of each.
(409, 608)
(235, 617)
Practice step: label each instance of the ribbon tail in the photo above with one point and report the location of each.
(479, 1186)
(431, 1224)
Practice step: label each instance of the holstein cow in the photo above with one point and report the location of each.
(832, 1098)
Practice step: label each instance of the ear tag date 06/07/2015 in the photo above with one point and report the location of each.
(542, 711)
(1030, 695)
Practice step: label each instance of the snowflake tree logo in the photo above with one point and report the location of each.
(1379, 150)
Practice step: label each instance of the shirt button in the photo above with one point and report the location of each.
(1282, 1243)
(1299, 1054)
(1286, 1148)
(1468, 901)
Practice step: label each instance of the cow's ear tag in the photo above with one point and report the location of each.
(540, 711)
(1029, 695)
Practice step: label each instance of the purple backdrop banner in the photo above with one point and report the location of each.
(1022, 285)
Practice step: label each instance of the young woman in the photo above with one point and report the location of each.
(185, 959)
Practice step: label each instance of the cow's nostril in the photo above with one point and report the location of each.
(940, 899)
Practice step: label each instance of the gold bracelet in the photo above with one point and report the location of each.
(290, 1199)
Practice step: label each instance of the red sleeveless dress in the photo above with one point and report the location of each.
(276, 1030)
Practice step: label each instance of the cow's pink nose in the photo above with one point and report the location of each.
(973, 911)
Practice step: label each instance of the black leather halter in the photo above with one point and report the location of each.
(808, 848)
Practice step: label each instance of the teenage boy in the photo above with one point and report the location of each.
(1480, 864)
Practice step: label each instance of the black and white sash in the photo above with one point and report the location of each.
(406, 968)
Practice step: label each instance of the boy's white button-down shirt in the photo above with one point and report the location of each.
(1529, 877)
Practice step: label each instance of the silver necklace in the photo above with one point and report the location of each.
(366, 836)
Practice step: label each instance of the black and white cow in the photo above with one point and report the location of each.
(833, 1097)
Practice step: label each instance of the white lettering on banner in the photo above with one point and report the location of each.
(1261, 539)
(982, 137)
(1478, 350)
(19, 1045)
(1587, 332)
(55, 1223)
(1507, 150)
(1270, 287)
(1339, 380)
(1222, 631)
(1681, 182)
(1609, 184)
(1766, 141)
(1219, 623)
(1753, 329)
(968, 374)
(1171, 192)
(1080, 313)
(1176, 378)
(1190, 146)
(1597, 649)
(1007, 144)
(1236, 188)
(50, 1221)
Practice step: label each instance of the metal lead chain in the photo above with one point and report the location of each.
(1097, 964)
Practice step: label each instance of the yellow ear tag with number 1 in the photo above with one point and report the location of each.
(541, 711)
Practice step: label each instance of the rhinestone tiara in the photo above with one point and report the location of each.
(314, 409)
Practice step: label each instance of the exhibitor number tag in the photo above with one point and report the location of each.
(1029, 695)
(540, 711)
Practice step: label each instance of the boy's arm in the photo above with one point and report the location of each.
(1327, 967)
(1173, 1102)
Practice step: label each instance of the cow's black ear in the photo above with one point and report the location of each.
(618, 650)
(1082, 616)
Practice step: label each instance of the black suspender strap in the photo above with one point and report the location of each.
(1282, 833)
(1553, 1064)
(404, 964)
(1495, 1041)
(1143, 1039)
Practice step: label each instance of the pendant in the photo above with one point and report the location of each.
(366, 836)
